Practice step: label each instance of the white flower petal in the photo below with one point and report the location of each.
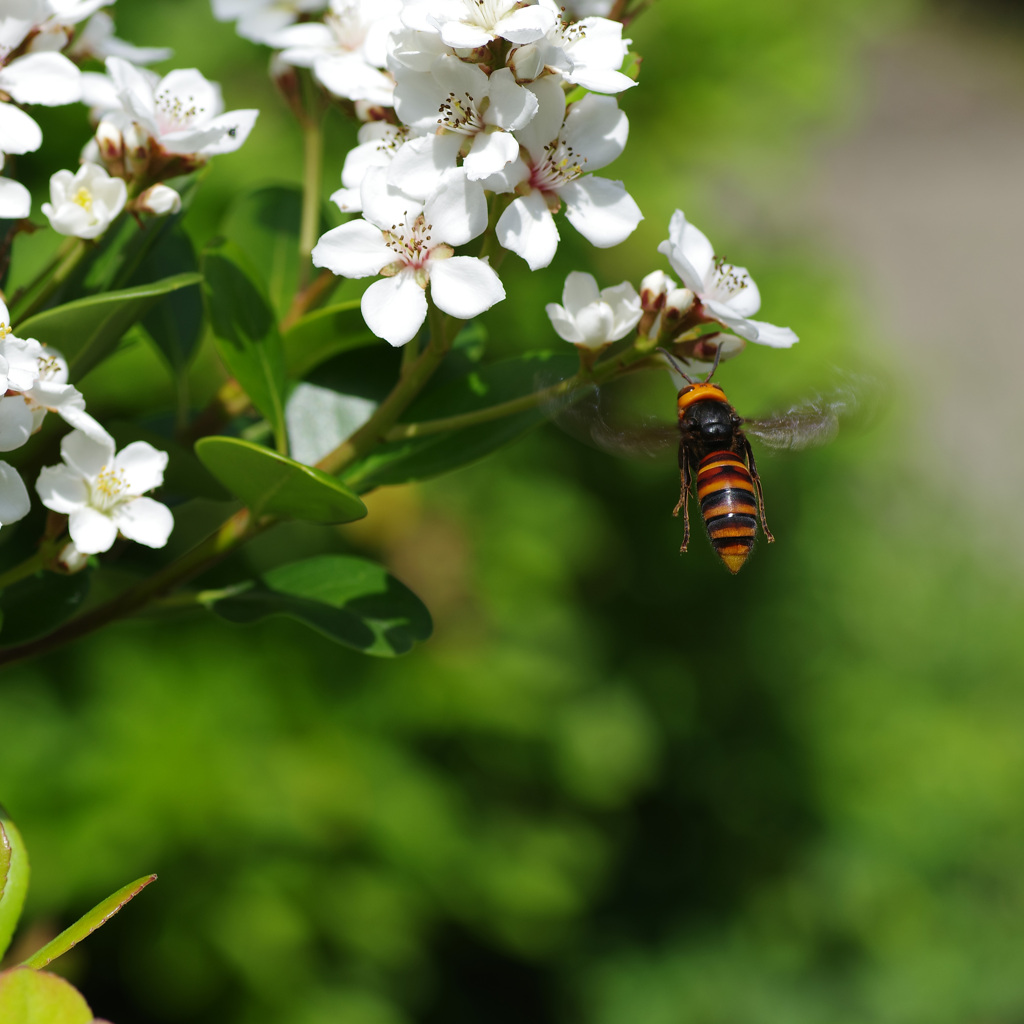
(597, 128)
(457, 209)
(91, 531)
(356, 249)
(61, 489)
(15, 200)
(489, 153)
(602, 211)
(143, 466)
(15, 422)
(776, 337)
(49, 79)
(512, 106)
(528, 229)
(14, 499)
(19, 133)
(564, 325)
(579, 290)
(144, 521)
(464, 286)
(394, 308)
(87, 454)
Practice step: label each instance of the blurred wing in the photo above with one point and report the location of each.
(816, 420)
(584, 414)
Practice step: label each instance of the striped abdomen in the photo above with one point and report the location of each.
(725, 491)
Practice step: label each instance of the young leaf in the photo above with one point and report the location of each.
(271, 484)
(87, 330)
(87, 924)
(13, 880)
(245, 330)
(38, 997)
(349, 600)
(418, 458)
(38, 604)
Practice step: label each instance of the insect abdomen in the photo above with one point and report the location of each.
(725, 491)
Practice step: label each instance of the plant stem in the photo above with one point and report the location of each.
(239, 528)
(313, 146)
(31, 565)
(409, 385)
(71, 257)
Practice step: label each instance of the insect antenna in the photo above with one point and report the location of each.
(675, 363)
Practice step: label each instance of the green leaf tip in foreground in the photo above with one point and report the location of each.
(13, 879)
(87, 924)
(245, 329)
(350, 600)
(271, 484)
(38, 997)
(87, 330)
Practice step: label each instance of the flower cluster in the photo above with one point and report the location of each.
(466, 102)
(98, 490)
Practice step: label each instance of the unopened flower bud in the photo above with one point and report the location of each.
(72, 560)
(110, 142)
(678, 302)
(653, 289)
(160, 200)
(136, 148)
(526, 62)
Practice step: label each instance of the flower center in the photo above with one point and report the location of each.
(83, 197)
(347, 26)
(175, 112)
(5, 330)
(487, 13)
(727, 281)
(460, 116)
(108, 487)
(410, 242)
(557, 167)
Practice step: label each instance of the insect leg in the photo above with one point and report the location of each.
(752, 466)
(684, 495)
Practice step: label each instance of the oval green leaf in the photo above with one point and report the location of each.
(350, 600)
(87, 923)
(38, 997)
(419, 458)
(271, 484)
(245, 329)
(13, 880)
(87, 330)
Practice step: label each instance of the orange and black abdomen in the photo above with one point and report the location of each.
(728, 504)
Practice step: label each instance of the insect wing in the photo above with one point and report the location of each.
(810, 423)
(585, 414)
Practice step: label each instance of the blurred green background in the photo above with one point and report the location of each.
(617, 785)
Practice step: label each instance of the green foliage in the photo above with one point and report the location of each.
(270, 484)
(350, 600)
(31, 997)
(13, 878)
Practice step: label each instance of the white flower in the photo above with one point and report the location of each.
(348, 51)
(726, 293)
(410, 243)
(587, 52)
(97, 40)
(593, 318)
(473, 110)
(101, 492)
(85, 203)
(14, 499)
(260, 20)
(378, 144)
(468, 24)
(15, 199)
(49, 79)
(593, 134)
(181, 112)
(159, 200)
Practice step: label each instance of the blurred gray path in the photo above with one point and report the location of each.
(924, 198)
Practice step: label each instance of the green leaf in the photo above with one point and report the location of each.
(271, 484)
(349, 600)
(265, 225)
(324, 333)
(176, 323)
(37, 605)
(421, 457)
(245, 329)
(87, 924)
(13, 880)
(87, 330)
(38, 997)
